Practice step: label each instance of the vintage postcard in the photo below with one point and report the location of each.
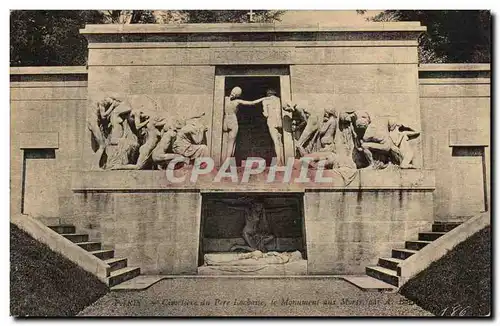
(250, 163)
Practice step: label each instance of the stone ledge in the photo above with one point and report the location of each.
(63, 70)
(249, 44)
(156, 181)
(453, 81)
(454, 67)
(246, 28)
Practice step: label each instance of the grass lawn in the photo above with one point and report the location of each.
(44, 283)
(459, 284)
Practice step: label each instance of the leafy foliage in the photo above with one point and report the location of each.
(452, 35)
(49, 37)
(52, 38)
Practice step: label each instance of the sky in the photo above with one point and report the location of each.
(344, 17)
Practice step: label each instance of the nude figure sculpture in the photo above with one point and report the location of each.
(256, 231)
(310, 129)
(97, 121)
(230, 125)
(385, 139)
(299, 118)
(163, 152)
(189, 141)
(152, 137)
(401, 135)
(271, 109)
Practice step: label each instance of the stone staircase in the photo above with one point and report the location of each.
(386, 269)
(119, 270)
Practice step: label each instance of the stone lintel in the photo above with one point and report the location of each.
(468, 137)
(61, 70)
(156, 181)
(454, 67)
(38, 140)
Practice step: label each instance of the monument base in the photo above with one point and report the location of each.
(273, 263)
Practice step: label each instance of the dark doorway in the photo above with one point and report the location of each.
(253, 138)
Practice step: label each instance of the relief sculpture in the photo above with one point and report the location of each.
(124, 137)
(127, 137)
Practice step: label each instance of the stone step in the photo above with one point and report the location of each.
(402, 253)
(383, 274)
(103, 254)
(389, 263)
(416, 245)
(90, 245)
(116, 263)
(122, 275)
(444, 226)
(429, 236)
(76, 237)
(63, 228)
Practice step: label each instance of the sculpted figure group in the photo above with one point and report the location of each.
(351, 139)
(127, 138)
(131, 138)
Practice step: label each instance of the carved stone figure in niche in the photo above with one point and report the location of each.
(254, 258)
(230, 125)
(163, 152)
(300, 116)
(401, 135)
(271, 109)
(256, 231)
(189, 140)
(97, 123)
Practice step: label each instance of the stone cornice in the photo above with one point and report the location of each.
(249, 28)
(172, 33)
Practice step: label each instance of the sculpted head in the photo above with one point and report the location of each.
(362, 119)
(259, 207)
(235, 93)
(392, 124)
(271, 92)
(289, 107)
(345, 117)
(329, 112)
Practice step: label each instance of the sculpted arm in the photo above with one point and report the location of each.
(105, 113)
(137, 120)
(243, 102)
(265, 109)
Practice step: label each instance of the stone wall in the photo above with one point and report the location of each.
(347, 231)
(48, 112)
(158, 231)
(456, 116)
(175, 67)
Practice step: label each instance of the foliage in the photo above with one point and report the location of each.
(452, 35)
(51, 37)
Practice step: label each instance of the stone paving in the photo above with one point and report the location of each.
(253, 297)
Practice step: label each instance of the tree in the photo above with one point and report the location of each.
(452, 35)
(51, 37)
